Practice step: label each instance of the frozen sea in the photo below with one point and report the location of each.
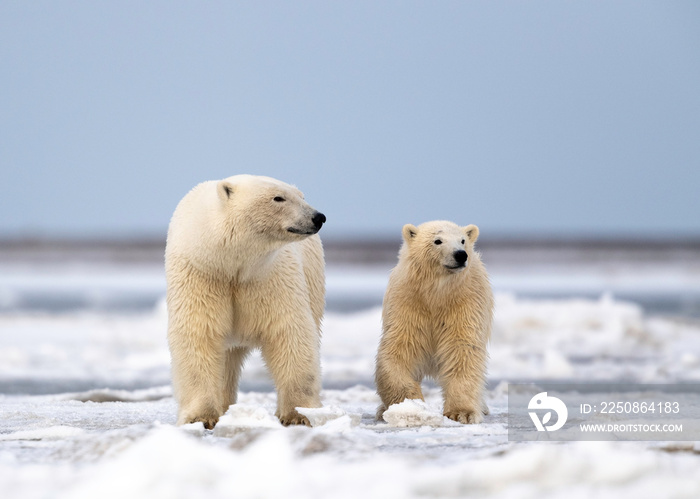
(86, 409)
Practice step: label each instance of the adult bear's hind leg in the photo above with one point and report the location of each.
(234, 360)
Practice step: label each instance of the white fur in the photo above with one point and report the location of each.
(243, 271)
(436, 321)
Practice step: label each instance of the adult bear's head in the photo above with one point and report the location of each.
(266, 206)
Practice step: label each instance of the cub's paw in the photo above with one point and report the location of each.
(293, 418)
(465, 416)
(380, 412)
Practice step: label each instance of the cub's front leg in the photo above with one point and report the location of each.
(462, 377)
(397, 367)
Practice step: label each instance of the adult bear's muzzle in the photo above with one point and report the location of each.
(319, 219)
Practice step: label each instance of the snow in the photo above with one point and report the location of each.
(161, 461)
(86, 410)
(50, 433)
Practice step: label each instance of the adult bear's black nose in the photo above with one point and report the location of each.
(319, 219)
(460, 257)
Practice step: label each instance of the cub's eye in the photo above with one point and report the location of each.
(279, 199)
(462, 241)
(438, 241)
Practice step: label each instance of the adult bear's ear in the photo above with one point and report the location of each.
(409, 232)
(225, 190)
(472, 232)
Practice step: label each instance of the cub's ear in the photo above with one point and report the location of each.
(225, 190)
(409, 232)
(472, 232)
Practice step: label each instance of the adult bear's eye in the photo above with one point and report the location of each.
(462, 241)
(438, 241)
(279, 199)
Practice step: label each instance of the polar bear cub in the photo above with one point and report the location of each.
(436, 321)
(244, 269)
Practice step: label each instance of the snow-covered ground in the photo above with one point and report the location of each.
(86, 409)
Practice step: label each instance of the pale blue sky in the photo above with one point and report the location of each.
(555, 117)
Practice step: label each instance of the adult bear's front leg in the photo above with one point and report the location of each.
(199, 314)
(293, 359)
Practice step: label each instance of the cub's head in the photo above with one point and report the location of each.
(440, 246)
(266, 206)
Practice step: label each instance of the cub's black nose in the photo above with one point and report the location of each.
(319, 219)
(460, 257)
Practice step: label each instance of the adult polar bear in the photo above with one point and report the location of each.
(244, 270)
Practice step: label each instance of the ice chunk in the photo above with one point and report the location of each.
(241, 417)
(322, 415)
(49, 433)
(109, 395)
(195, 429)
(415, 413)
